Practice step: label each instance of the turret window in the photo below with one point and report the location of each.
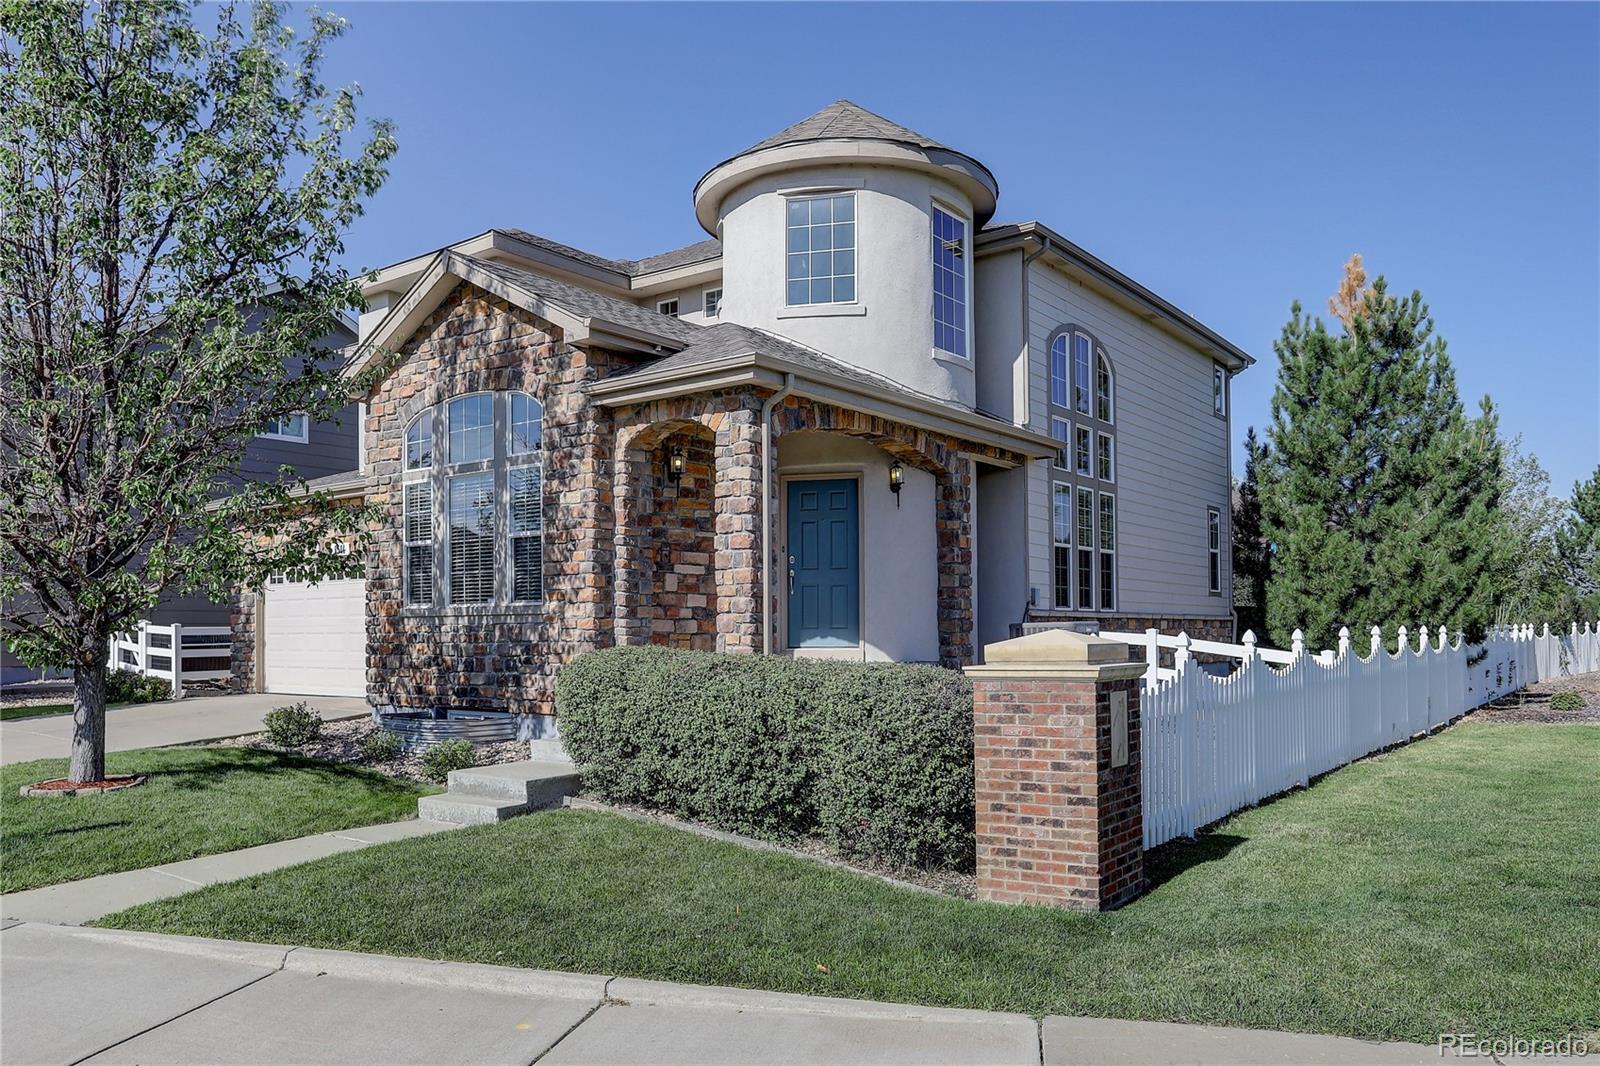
(949, 283)
(821, 256)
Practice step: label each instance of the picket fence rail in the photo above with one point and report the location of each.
(1212, 745)
(149, 651)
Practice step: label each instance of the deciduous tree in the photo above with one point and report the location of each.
(172, 201)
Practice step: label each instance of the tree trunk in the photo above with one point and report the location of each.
(89, 717)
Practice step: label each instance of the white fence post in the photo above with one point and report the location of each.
(177, 660)
(1152, 657)
(143, 653)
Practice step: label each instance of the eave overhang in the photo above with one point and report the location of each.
(764, 371)
(1075, 260)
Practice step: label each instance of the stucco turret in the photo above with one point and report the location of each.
(831, 230)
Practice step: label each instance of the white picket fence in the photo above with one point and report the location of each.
(149, 651)
(1214, 744)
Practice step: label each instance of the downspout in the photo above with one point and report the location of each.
(1027, 313)
(766, 509)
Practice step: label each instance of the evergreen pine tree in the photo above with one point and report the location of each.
(1578, 544)
(1251, 556)
(1379, 495)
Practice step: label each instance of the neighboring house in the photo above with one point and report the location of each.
(863, 422)
(312, 449)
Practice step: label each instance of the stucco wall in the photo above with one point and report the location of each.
(899, 556)
(889, 328)
(1002, 552)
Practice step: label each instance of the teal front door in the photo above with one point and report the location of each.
(824, 564)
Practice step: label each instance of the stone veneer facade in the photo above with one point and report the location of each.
(503, 657)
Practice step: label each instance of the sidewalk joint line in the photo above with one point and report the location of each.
(605, 998)
(169, 1021)
(176, 877)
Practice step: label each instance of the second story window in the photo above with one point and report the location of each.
(668, 308)
(713, 302)
(949, 283)
(289, 427)
(1219, 392)
(1080, 373)
(821, 256)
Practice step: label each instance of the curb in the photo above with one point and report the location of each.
(467, 976)
(268, 955)
(637, 992)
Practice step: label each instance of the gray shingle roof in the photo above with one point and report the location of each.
(698, 252)
(587, 303)
(727, 339)
(843, 119)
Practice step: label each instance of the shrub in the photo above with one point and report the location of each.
(1567, 701)
(873, 759)
(447, 755)
(293, 725)
(381, 745)
(125, 686)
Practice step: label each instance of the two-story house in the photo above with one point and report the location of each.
(863, 420)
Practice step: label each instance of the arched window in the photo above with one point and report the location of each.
(1103, 407)
(419, 441)
(473, 522)
(1084, 474)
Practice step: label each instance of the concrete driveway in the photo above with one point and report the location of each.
(172, 999)
(152, 725)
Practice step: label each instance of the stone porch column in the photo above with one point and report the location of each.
(632, 577)
(953, 529)
(737, 506)
(1057, 746)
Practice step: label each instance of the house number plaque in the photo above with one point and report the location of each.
(1119, 729)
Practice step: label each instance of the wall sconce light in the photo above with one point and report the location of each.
(675, 465)
(897, 480)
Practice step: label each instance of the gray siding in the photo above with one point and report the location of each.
(1172, 452)
(330, 448)
(1001, 350)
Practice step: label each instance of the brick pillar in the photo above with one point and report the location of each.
(737, 496)
(1056, 746)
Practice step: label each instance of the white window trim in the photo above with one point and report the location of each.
(1102, 552)
(1219, 396)
(1110, 477)
(805, 310)
(1065, 451)
(406, 544)
(1111, 392)
(1082, 458)
(1079, 492)
(966, 255)
(303, 437)
(1057, 489)
(661, 307)
(501, 462)
(706, 293)
(1214, 552)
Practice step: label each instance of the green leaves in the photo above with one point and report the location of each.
(172, 204)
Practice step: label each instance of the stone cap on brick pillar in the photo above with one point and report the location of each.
(1058, 653)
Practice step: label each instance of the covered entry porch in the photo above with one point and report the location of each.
(787, 515)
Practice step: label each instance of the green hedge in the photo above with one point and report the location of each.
(874, 759)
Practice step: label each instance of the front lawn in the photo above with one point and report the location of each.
(1448, 885)
(35, 710)
(198, 801)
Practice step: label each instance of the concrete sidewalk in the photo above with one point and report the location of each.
(172, 999)
(153, 725)
(76, 902)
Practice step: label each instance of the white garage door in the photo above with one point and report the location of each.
(314, 640)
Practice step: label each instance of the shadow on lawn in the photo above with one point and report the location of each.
(1164, 863)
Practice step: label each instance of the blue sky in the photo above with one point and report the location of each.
(1230, 157)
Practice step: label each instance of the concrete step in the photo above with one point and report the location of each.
(469, 810)
(541, 784)
(484, 794)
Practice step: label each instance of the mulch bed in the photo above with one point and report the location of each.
(1532, 704)
(341, 742)
(62, 786)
